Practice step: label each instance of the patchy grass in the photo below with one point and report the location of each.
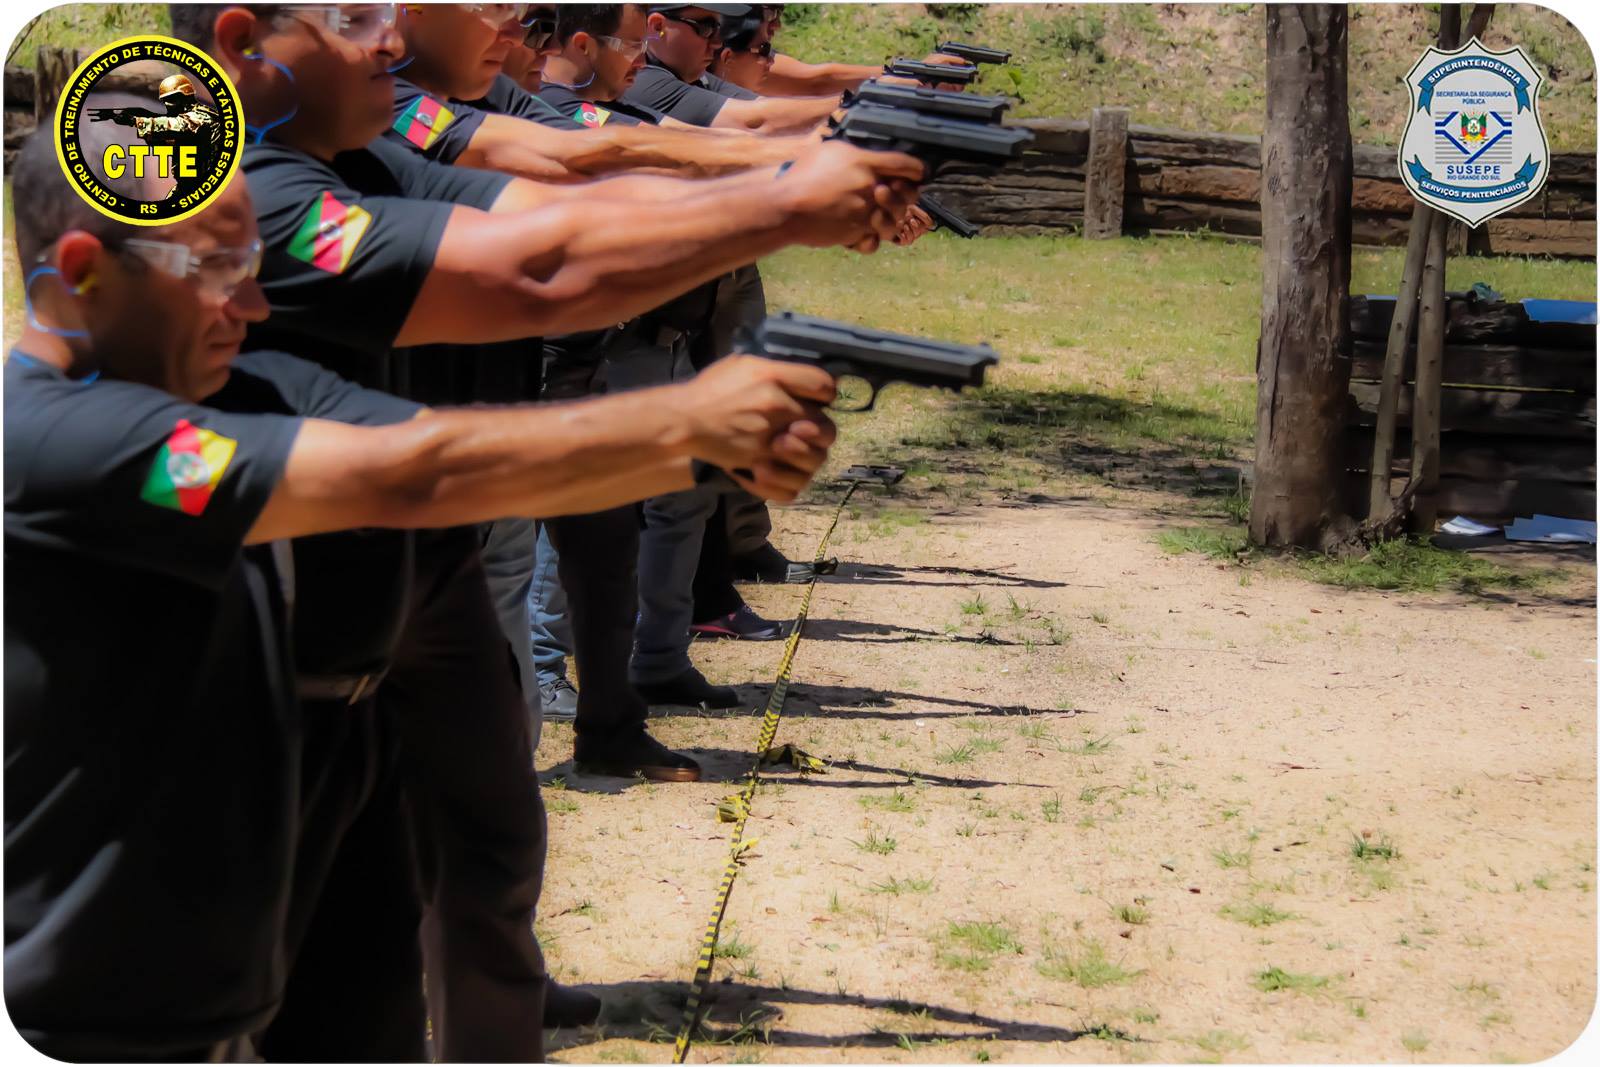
(1223, 544)
(877, 845)
(899, 801)
(1087, 966)
(973, 946)
(1363, 847)
(1410, 566)
(897, 886)
(1275, 979)
(1256, 913)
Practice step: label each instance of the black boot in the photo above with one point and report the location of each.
(689, 689)
(640, 754)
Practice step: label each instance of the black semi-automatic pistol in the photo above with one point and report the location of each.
(932, 73)
(969, 106)
(934, 139)
(875, 356)
(975, 53)
(943, 216)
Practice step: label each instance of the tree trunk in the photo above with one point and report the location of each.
(1303, 361)
(1394, 363)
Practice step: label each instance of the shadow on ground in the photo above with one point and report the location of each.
(740, 1014)
(731, 767)
(1120, 442)
(899, 574)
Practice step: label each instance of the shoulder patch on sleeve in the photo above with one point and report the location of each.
(424, 121)
(590, 115)
(328, 236)
(187, 469)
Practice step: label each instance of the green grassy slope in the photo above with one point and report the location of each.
(1193, 66)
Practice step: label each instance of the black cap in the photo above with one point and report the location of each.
(716, 9)
(739, 30)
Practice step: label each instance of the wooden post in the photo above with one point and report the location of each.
(1303, 361)
(52, 67)
(1106, 172)
(1394, 364)
(1426, 400)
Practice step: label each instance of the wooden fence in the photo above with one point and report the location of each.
(1174, 181)
(1517, 410)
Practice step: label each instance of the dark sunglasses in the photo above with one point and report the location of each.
(703, 28)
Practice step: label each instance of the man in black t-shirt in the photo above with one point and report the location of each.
(152, 759)
(369, 249)
(682, 39)
(453, 107)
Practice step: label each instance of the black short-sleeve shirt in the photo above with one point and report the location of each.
(348, 244)
(350, 586)
(506, 97)
(150, 724)
(723, 87)
(659, 88)
(589, 114)
(440, 129)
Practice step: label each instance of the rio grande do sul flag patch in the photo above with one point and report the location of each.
(329, 235)
(187, 469)
(589, 115)
(424, 121)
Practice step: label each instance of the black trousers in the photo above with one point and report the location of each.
(478, 819)
(599, 555)
(714, 594)
(354, 993)
(433, 788)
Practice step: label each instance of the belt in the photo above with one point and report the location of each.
(351, 688)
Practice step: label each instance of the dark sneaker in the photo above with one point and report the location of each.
(643, 756)
(767, 564)
(743, 625)
(558, 701)
(689, 689)
(569, 1007)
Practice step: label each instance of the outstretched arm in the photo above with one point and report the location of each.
(453, 467)
(769, 115)
(592, 263)
(792, 77)
(527, 149)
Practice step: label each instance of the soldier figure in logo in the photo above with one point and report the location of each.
(187, 122)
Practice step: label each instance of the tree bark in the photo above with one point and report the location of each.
(1303, 361)
(53, 65)
(1394, 363)
(1426, 402)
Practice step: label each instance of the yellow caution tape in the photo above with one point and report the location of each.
(736, 808)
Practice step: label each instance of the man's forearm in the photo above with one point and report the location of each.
(453, 467)
(686, 151)
(621, 190)
(791, 77)
(590, 264)
(529, 150)
(774, 115)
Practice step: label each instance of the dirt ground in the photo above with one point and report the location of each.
(1088, 801)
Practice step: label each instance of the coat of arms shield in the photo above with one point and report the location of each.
(1474, 146)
